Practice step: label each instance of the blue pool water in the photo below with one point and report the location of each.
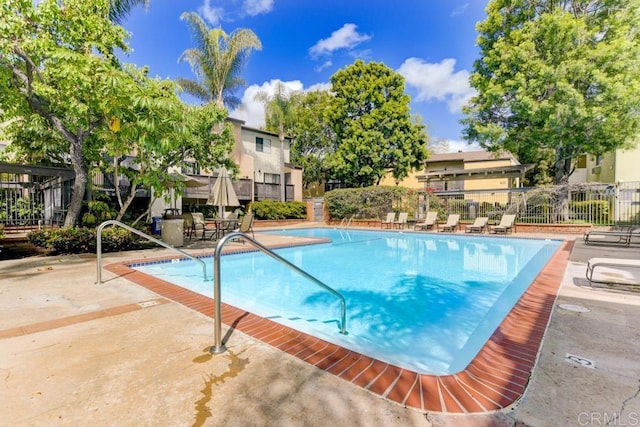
(422, 301)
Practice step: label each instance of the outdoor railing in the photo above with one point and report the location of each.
(598, 204)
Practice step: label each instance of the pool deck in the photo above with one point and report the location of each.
(124, 354)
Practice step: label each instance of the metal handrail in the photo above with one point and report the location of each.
(141, 234)
(218, 347)
(349, 222)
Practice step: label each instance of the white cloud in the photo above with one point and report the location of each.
(257, 7)
(455, 146)
(459, 10)
(326, 64)
(319, 86)
(215, 15)
(346, 37)
(252, 111)
(438, 81)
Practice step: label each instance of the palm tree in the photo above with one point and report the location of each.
(278, 111)
(216, 61)
(119, 9)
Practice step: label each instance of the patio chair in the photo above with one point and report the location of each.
(200, 224)
(189, 229)
(229, 224)
(453, 222)
(391, 219)
(402, 220)
(507, 225)
(246, 226)
(478, 226)
(430, 221)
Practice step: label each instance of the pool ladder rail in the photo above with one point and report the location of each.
(346, 223)
(141, 234)
(218, 346)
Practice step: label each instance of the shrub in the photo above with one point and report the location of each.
(597, 210)
(369, 202)
(83, 240)
(1, 231)
(272, 209)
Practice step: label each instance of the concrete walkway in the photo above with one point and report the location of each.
(73, 352)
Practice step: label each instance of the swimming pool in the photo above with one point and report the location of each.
(422, 301)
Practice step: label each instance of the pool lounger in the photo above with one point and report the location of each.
(609, 263)
(622, 237)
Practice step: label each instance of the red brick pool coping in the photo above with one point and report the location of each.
(495, 379)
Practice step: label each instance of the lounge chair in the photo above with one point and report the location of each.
(507, 225)
(617, 263)
(402, 220)
(478, 226)
(453, 222)
(622, 236)
(431, 220)
(246, 225)
(391, 219)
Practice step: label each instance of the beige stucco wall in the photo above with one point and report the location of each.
(295, 179)
(409, 182)
(486, 184)
(262, 161)
(627, 166)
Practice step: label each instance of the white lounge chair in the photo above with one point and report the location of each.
(430, 221)
(391, 219)
(617, 263)
(402, 220)
(507, 225)
(478, 226)
(622, 236)
(453, 222)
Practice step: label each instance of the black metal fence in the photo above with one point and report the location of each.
(598, 204)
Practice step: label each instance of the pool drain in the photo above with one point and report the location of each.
(574, 307)
(579, 360)
(147, 304)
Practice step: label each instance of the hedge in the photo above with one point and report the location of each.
(272, 209)
(79, 240)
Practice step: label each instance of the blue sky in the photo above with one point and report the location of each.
(432, 43)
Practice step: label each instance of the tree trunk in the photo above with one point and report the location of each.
(561, 178)
(80, 183)
(125, 205)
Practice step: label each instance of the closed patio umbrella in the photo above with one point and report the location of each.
(222, 193)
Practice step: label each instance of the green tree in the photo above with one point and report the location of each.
(55, 60)
(278, 111)
(67, 95)
(313, 137)
(217, 61)
(162, 133)
(372, 123)
(556, 79)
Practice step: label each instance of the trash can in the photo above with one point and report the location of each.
(173, 231)
(155, 224)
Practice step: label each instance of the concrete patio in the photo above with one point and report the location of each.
(73, 352)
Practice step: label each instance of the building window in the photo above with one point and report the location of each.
(263, 145)
(582, 161)
(191, 168)
(271, 178)
(598, 160)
